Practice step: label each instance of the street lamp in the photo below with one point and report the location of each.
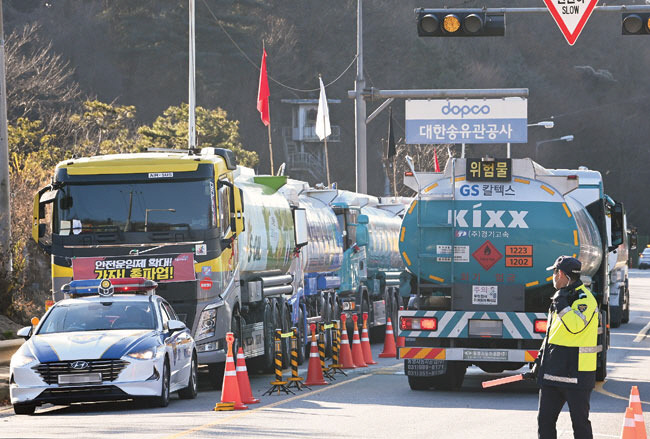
(146, 215)
(544, 123)
(568, 138)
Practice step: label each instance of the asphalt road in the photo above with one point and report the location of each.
(375, 402)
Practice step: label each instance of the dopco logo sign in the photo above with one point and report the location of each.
(510, 219)
(464, 110)
(571, 16)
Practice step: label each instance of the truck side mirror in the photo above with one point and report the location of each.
(618, 225)
(300, 227)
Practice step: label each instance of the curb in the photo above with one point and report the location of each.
(7, 349)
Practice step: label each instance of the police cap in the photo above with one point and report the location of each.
(567, 264)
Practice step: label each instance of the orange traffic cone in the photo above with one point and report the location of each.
(345, 352)
(635, 405)
(629, 426)
(230, 396)
(365, 342)
(357, 352)
(400, 340)
(315, 372)
(242, 380)
(389, 342)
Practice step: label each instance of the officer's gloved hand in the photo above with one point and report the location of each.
(534, 369)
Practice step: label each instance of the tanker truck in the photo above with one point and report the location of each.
(476, 241)
(177, 217)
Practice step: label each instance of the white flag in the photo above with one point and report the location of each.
(323, 128)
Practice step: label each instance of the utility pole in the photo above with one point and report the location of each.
(191, 99)
(360, 111)
(5, 205)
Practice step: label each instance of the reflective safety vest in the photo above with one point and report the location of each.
(577, 326)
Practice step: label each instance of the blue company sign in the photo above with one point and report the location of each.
(467, 121)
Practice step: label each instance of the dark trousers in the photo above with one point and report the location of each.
(551, 401)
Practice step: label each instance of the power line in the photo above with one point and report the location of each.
(269, 76)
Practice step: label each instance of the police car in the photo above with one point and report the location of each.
(107, 340)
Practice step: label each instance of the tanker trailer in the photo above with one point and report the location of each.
(476, 241)
(266, 249)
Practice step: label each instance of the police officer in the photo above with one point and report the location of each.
(566, 365)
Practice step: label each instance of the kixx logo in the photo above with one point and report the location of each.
(464, 110)
(495, 218)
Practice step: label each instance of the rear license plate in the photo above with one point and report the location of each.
(81, 378)
(482, 355)
(485, 328)
(424, 368)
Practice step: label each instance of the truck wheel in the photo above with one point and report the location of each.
(24, 409)
(615, 315)
(215, 375)
(419, 383)
(626, 310)
(286, 342)
(453, 378)
(301, 338)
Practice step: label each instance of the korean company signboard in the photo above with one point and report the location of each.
(467, 121)
(160, 268)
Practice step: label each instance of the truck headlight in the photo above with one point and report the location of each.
(207, 324)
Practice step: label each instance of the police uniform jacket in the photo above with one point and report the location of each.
(569, 352)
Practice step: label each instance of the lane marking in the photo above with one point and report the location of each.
(642, 333)
(600, 389)
(279, 403)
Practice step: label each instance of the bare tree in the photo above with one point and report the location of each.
(424, 157)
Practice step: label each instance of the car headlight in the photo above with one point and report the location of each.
(145, 354)
(207, 324)
(22, 358)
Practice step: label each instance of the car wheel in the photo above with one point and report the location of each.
(163, 399)
(190, 391)
(24, 409)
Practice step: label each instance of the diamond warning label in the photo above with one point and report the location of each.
(487, 255)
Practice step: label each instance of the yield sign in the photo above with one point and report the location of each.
(571, 16)
(487, 255)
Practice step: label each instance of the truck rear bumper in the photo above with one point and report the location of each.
(469, 354)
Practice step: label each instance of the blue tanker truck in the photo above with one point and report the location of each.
(476, 241)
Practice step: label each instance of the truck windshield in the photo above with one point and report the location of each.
(135, 207)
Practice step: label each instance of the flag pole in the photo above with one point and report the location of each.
(270, 143)
(394, 178)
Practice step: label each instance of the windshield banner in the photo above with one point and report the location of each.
(160, 268)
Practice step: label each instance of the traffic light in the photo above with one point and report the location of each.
(636, 24)
(459, 23)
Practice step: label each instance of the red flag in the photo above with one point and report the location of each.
(263, 93)
(435, 161)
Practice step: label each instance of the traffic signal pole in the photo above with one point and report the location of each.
(361, 159)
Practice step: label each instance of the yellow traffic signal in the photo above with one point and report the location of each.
(459, 23)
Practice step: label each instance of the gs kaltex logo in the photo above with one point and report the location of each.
(464, 110)
(502, 219)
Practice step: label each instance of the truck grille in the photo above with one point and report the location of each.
(109, 369)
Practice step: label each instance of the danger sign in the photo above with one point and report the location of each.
(571, 16)
(206, 283)
(487, 255)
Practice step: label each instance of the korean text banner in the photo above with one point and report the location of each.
(159, 268)
(438, 121)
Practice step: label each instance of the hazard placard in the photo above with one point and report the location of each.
(487, 255)
(571, 16)
(206, 283)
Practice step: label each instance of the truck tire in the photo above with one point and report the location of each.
(615, 316)
(452, 379)
(285, 315)
(626, 310)
(215, 375)
(301, 338)
(419, 383)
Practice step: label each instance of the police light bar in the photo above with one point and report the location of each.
(108, 287)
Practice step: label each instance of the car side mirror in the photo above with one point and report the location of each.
(175, 325)
(25, 332)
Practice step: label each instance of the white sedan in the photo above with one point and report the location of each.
(100, 346)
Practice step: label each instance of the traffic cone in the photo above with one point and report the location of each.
(357, 352)
(230, 396)
(315, 372)
(242, 380)
(635, 405)
(629, 426)
(365, 342)
(400, 340)
(346, 353)
(389, 342)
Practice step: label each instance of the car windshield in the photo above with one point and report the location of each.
(646, 252)
(99, 316)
